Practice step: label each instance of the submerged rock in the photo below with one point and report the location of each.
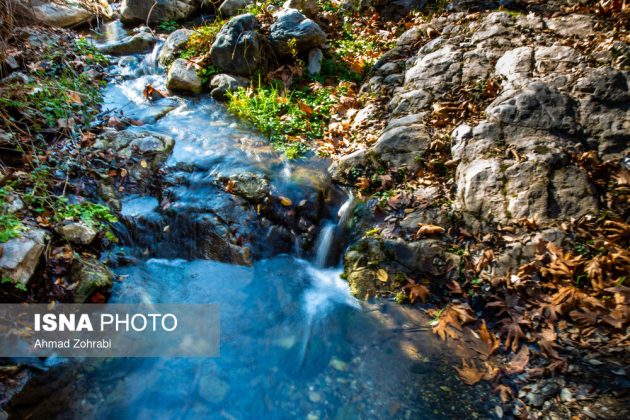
(183, 78)
(173, 45)
(294, 32)
(237, 48)
(91, 276)
(20, 256)
(138, 43)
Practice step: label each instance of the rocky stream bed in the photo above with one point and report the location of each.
(445, 235)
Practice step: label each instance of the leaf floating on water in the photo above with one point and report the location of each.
(382, 275)
(144, 164)
(285, 201)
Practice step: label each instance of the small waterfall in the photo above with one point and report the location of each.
(324, 242)
(345, 211)
(149, 64)
(330, 234)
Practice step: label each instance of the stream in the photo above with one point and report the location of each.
(294, 342)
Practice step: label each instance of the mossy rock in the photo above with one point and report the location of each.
(92, 276)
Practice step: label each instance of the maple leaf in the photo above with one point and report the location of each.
(417, 291)
(490, 343)
(505, 392)
(547, 342)
(485, 260)
(469, 374)
(518, 362)
(584, 317)
(514, 334)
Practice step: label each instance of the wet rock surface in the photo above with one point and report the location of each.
(174, 43)
(133, 44)
(183, 78)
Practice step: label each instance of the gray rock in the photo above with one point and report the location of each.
(535, 107)
(436, 72)
(403, 143)
(183, 77)
(77, 232)
(154, 147)
(571, 25)
(13, 203)
(605, 85)
(230, 8)
(516, 65)
(315, 57)
(308, 7)
(91, 276)
(138, 10)
(341, 169)
(237, 48)
(138, 43)
(20, 256)
(173, 45)
(292, 25)
(535, 400)
(251, 186)
(221, 84)
(63, 15)
(426, 256)
(556, 59)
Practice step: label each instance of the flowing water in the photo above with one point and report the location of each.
(294, 342)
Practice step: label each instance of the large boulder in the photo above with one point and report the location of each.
(183, 78)
(294, 32)
(138, 10)
(138, 43)
(230, 8)
(20, 256)
(222, 84)
(67, 13)
(173, 45)
(237, 48)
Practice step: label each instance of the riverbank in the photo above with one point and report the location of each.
(486, 149)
